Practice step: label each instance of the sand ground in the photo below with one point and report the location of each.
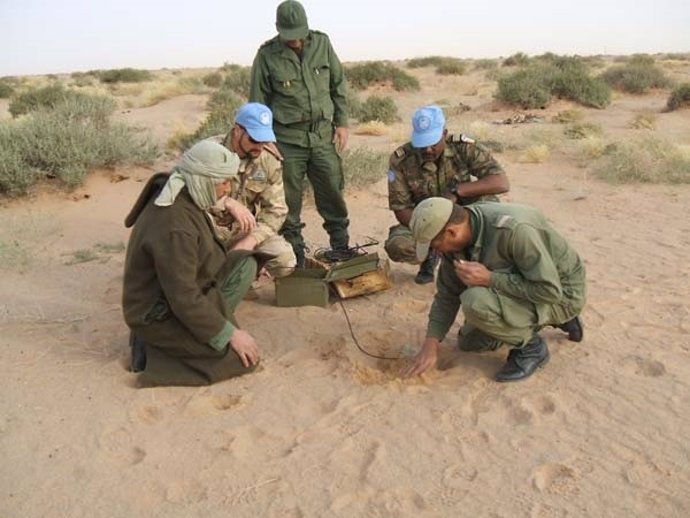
(322, 430)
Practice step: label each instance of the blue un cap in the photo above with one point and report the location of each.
(257, 119)
(427, 126)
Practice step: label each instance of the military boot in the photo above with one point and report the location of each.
(425, 275)
(574, 329)
(523, 361)
(301, 256)
(138, 348)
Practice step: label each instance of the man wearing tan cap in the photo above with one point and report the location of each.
(511, 272)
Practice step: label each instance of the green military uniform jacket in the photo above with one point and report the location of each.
(529, 261)
(171, 298)
(306, 94)
(410, 180)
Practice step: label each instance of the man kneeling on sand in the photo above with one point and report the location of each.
(511, 272)
(181, 285)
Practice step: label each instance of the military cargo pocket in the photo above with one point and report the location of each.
(286, 81)
(322, 73)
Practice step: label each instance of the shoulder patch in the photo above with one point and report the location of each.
(391, 176)
(467, 140)
(259, 175)
(400, 152)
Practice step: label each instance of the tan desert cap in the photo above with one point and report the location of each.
(428, 219)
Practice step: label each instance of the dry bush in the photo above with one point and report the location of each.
(363, 166)
(379, 108)
(636, 77)
(363, 75)
(535, 154)
(122, 75)
(568, 116)
(646, 120)
(645, 160)
(679, 98)
(591, 147)
(374, 128)
(581, 130)
(174, 88)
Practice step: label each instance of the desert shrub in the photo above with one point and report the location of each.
(354, 105)
(377, 108)
(636, 77)
(680, 97)
(123, 75)
(648, 160)
(535, 154)
(428, 61)
(519, 59)
(641, 59)
(485, 64)
(528, 87)
(563, 77)
(212, 80)
(568, 116)
(581, 130)
(451, 66)
(372, 128)
(363, 166)
(6, 90)
(677, 56)
(238, 80)
(46, 97)
(222, 107)
(363, 75)
(646, 120)
(65, 141)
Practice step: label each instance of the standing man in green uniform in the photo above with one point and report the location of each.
(299, 76)
(436, 163)
(511, 272)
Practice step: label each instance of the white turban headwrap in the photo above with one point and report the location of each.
(200, 169)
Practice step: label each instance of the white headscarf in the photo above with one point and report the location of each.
(199, 169)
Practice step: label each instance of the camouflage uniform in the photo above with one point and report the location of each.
(410, 180)
(259, 187)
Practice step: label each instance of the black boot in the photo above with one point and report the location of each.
(573, 328)
(425, 275)
(301, 256)
(339, 253)
(138, 347)
(523, 361)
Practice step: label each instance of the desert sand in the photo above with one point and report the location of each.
(322, 430)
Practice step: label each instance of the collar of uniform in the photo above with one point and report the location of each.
(287, 51)
(244, 165)
(474, 249)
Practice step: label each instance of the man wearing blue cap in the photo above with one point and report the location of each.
(299, 76)
(255, 210)
(509, 270)
(436, 163)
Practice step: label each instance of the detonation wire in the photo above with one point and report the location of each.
(354, 338)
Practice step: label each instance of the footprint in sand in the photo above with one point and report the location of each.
(644, 366)
(118, 447)
(211, 404)
(556, 478)
(185, 492)
(459, 475)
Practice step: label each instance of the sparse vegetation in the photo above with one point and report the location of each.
(363, 166)
(519, 59)
(65, 141)
(553, 76)
(122, 75)
(212, 80)
(363, 75)
(237, 80)
(568, 116)
(485, 64)
(679, 98)
(648, 160)
(428, 61)
(638, 76)
(377, 108)
(535, 154)
(6, 90)
(582, 130)
(646, 120)
(222, 107)
(451, 67)
(45, 97)
(372, 128)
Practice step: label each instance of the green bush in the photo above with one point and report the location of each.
(377, 108)
(680, 97)
(222, 107)
(354, 104)
(451, 67)
(363, 166)
(485, 64)
(123, 75)
(46, 97)
(636, 77)
(6, 90)
(238, 81)
(519, 59)
(583, 130)
(363, 75)
(212, 80)
(429, 61)
(66, 141)
(647, 160)
(553, 76)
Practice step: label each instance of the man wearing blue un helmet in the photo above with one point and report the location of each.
(436, 163)
(255, 209)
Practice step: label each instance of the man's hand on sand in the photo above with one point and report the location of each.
(426, 359)
(244, 345)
